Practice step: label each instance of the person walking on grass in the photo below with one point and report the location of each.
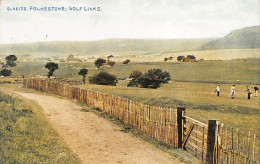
(232, 94)
(248, 92)
(256, 89)
(217, 90)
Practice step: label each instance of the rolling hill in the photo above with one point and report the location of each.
(103, 46)
(244, 38)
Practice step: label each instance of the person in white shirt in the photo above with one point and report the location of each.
(232, 94)
(217, 90)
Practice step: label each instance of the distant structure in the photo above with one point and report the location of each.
(188, 58)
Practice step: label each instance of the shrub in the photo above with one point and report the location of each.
(103, 78)
(151, 79)
(191, 57)
(99, 62)
(165, 59)
(126, 61)
(179, 58)
(135, 74)
(5, 72)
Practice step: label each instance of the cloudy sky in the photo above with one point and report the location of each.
(124, 19)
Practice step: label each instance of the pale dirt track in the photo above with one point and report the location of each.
(95, 139)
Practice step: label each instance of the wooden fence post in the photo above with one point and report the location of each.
(211, 137)
(179, 125)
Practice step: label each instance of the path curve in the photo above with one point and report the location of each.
(95, 139)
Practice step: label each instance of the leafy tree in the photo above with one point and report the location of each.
(165, 59)
(191, 57)
(126, 61)
(154, 78)
(179, 58)
(5, 72)
(10, 60)
(111, 63)
(103, 78)
(83, 72)
(99, 62)
(136, 74)
(51, 66)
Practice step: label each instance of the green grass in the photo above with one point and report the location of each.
(247, 72)
(192, 86)
(26, 137)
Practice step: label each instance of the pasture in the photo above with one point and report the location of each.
(192, 86)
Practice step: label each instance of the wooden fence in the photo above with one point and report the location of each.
(166, 125)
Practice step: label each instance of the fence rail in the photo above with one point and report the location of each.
(166, 125)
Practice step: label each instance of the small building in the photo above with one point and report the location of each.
(186, 59)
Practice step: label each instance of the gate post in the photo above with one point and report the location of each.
(180, 111)
(211, 137)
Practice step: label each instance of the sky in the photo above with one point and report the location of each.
(166, 19)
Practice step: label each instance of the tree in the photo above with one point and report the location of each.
(51, 66)
(191, 57)
(126, 61)
(179, 58)
(103, 78)
(5, 72)
(151, 79)
(136, 74)
(165, 59)
(99, 62)
(10, 60)
(83, 72)
(111, 63)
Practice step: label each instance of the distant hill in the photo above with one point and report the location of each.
(143, 46)
(244, 38)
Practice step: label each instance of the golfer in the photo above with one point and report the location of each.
(232, 94)
(256, 89)
(217, 90)
(248, 92)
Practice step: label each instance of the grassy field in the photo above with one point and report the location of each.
(26, 137)
(192, 86)
(247, 72)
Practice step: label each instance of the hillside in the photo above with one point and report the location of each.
(135, 46)
(244, 38)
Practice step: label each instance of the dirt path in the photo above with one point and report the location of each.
(95, 139)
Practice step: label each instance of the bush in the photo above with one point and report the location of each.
(136, 74)
(191, 57)
(99, 62)
(5, 72)
(179, 58)
(103, 78)
(154, 78)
